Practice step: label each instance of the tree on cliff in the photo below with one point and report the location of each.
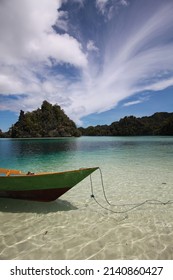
(47, 121)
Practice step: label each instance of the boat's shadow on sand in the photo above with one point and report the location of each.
(17, 206)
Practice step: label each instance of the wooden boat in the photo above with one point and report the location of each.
(40, 186)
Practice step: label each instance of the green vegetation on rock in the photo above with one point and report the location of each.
(47, 121)
(157, 124)
(51, 121)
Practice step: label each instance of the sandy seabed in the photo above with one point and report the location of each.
(76, 227)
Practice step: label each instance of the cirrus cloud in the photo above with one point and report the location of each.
(37, 63)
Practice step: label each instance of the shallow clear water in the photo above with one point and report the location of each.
(52, 154)
(135, 169)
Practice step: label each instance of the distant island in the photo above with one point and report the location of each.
(51, 121)
(157, 124)
(47, 121)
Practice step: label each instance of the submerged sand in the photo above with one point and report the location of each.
(76, 227)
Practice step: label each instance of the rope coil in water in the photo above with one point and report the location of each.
(133, 205)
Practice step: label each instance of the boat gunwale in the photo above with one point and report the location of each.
(45, 173)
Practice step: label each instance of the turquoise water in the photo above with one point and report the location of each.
(67, 153)
(135, 169)
(143, 164)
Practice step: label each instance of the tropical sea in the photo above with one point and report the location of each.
(130, 216)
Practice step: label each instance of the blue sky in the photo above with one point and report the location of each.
(99, 60)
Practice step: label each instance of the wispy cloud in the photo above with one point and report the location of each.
(135, 55)
(130, 103)
(124, 2)
(62, 20)
(91, 46)
(101, 5)
(140, 99)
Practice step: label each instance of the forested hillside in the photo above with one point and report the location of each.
(157, 124)
(51, 121)
(47, 121)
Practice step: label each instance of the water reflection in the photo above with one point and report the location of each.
(43, 146)
(52, 154)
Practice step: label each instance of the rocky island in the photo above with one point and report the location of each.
(51, 121)
(47, 121)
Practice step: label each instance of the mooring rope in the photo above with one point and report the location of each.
(134, 205)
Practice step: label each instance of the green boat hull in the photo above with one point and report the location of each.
(42, 187)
